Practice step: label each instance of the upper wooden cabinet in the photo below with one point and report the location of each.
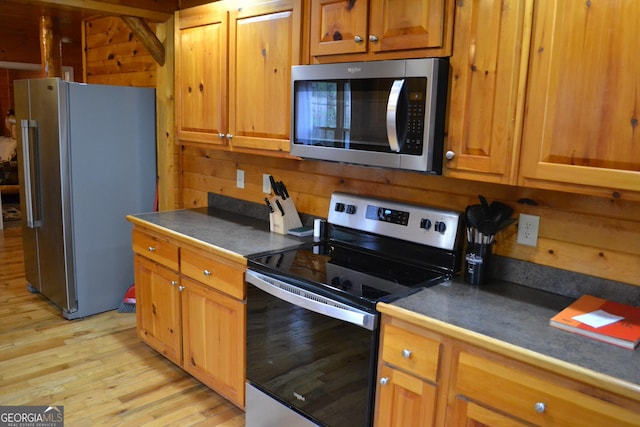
(379, 29)
(581, 127)
(488, 71)
(233, 68)
(264, 44)
(201, 74)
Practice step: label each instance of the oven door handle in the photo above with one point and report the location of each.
(311, 301)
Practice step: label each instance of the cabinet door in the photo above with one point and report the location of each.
(404, 400)
(488, 70)
(158, 307)
(338, 26)
(534, 396)
(406, 24)
(466, 413)
(201, 74)
(214, 339)
(581, 127)
(264, 44)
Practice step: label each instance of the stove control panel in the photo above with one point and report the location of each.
(419, 224)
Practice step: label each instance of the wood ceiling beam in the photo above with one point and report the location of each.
(146, 36)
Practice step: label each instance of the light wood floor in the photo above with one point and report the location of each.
(96, 367)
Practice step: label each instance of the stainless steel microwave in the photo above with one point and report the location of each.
(381, 113)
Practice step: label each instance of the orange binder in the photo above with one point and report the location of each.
(624, 333)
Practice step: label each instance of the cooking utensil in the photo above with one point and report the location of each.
(475, 215)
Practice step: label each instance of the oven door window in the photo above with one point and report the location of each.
(319, 365)
(354, 114)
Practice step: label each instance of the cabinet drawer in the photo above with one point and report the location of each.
(535, 396)
(411, 352)
(156, 248)
(213, 271)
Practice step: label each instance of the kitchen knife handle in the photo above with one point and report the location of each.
(274, 186)
(266, 200)
(279, 207)
(285, 193)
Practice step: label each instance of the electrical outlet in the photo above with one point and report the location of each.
(266, 183)
(528, 229)
(239, 178)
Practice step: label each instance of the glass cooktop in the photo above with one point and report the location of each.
(352, 273)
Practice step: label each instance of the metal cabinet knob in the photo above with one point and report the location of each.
(406, 353)
(206, 273)
(174, 282)
(384, 381)
(450, 155)
(540, 407)
(181, 288)
(358, 39)
(373, 38)
(152, 249)
(221, 135)
(229, 136)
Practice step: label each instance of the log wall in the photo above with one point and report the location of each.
(114, 56)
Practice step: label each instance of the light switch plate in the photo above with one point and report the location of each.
(239, 178)
(528, 229)
(266, 183)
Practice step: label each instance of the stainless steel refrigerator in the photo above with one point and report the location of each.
(87, 158)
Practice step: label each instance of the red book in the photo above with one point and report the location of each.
(624, 333)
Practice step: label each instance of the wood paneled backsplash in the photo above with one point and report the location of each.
(594, 236)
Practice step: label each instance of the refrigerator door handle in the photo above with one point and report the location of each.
(26, 126)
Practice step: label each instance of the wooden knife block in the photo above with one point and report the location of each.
(279, 223)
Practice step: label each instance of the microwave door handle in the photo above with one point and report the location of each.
(392, 110)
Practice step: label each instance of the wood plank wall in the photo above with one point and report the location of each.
(114, 56)
(595, 236)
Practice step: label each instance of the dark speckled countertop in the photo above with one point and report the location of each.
(510, 318)
(226, 231)
(519, 316)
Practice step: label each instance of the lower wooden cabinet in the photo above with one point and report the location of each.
(197, 324)
(408, 371)
(403, 399)
(213, 332)
(429, 378)
(158, 307)
(528, 395)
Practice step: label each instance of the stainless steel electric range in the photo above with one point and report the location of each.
(312, 327)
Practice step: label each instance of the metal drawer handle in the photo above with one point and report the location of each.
(152, 249)
(384, 381)
(407, 353)
(540, 407)
(206, 273)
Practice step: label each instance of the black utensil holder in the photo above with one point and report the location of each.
(477, 269)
